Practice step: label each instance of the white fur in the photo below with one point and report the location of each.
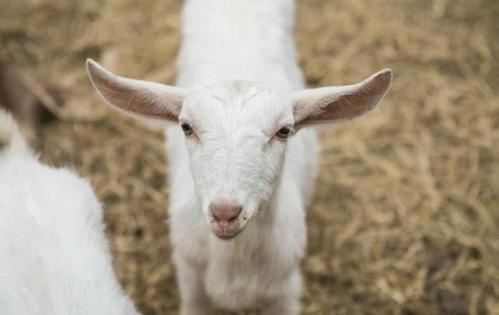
(54, 257)
(258, 268)
(239, 84)
(261, 264)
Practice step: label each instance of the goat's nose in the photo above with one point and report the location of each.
(225, 211)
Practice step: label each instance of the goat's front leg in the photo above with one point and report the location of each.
(289, 302)
(193, 298)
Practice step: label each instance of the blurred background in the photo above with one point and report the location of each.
(405, 215)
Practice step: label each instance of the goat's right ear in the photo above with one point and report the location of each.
(338, 103)
(152, 101)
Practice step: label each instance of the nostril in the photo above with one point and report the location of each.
(223, 211)
(235, 215)
(214, 216)
(236, 211)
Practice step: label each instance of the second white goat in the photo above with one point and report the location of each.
(54, 257)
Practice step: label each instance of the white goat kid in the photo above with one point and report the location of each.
(235, 151)
(53, 253)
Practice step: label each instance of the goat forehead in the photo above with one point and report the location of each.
(235, 103)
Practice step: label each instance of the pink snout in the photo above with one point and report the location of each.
(225, 214)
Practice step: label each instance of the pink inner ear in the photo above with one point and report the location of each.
(335, 107)
(137, 100)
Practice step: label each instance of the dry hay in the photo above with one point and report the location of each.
(405, 218)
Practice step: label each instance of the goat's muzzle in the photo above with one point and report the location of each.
(225, 218)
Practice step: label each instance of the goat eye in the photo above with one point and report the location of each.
(187, 129)
(283, 132)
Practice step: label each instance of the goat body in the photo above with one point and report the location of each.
(242, 164)
(54, 257)
(250, 41)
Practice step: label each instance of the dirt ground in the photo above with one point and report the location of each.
(405, 215)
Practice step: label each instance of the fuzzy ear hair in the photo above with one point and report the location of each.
(149, 100)
(338, 103)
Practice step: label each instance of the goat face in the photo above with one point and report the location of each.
(236, 132)
(236, 135)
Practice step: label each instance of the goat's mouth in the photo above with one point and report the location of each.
(225, 236)
(225, 232)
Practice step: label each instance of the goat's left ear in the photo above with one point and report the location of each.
(337, 103)
(147, 100)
